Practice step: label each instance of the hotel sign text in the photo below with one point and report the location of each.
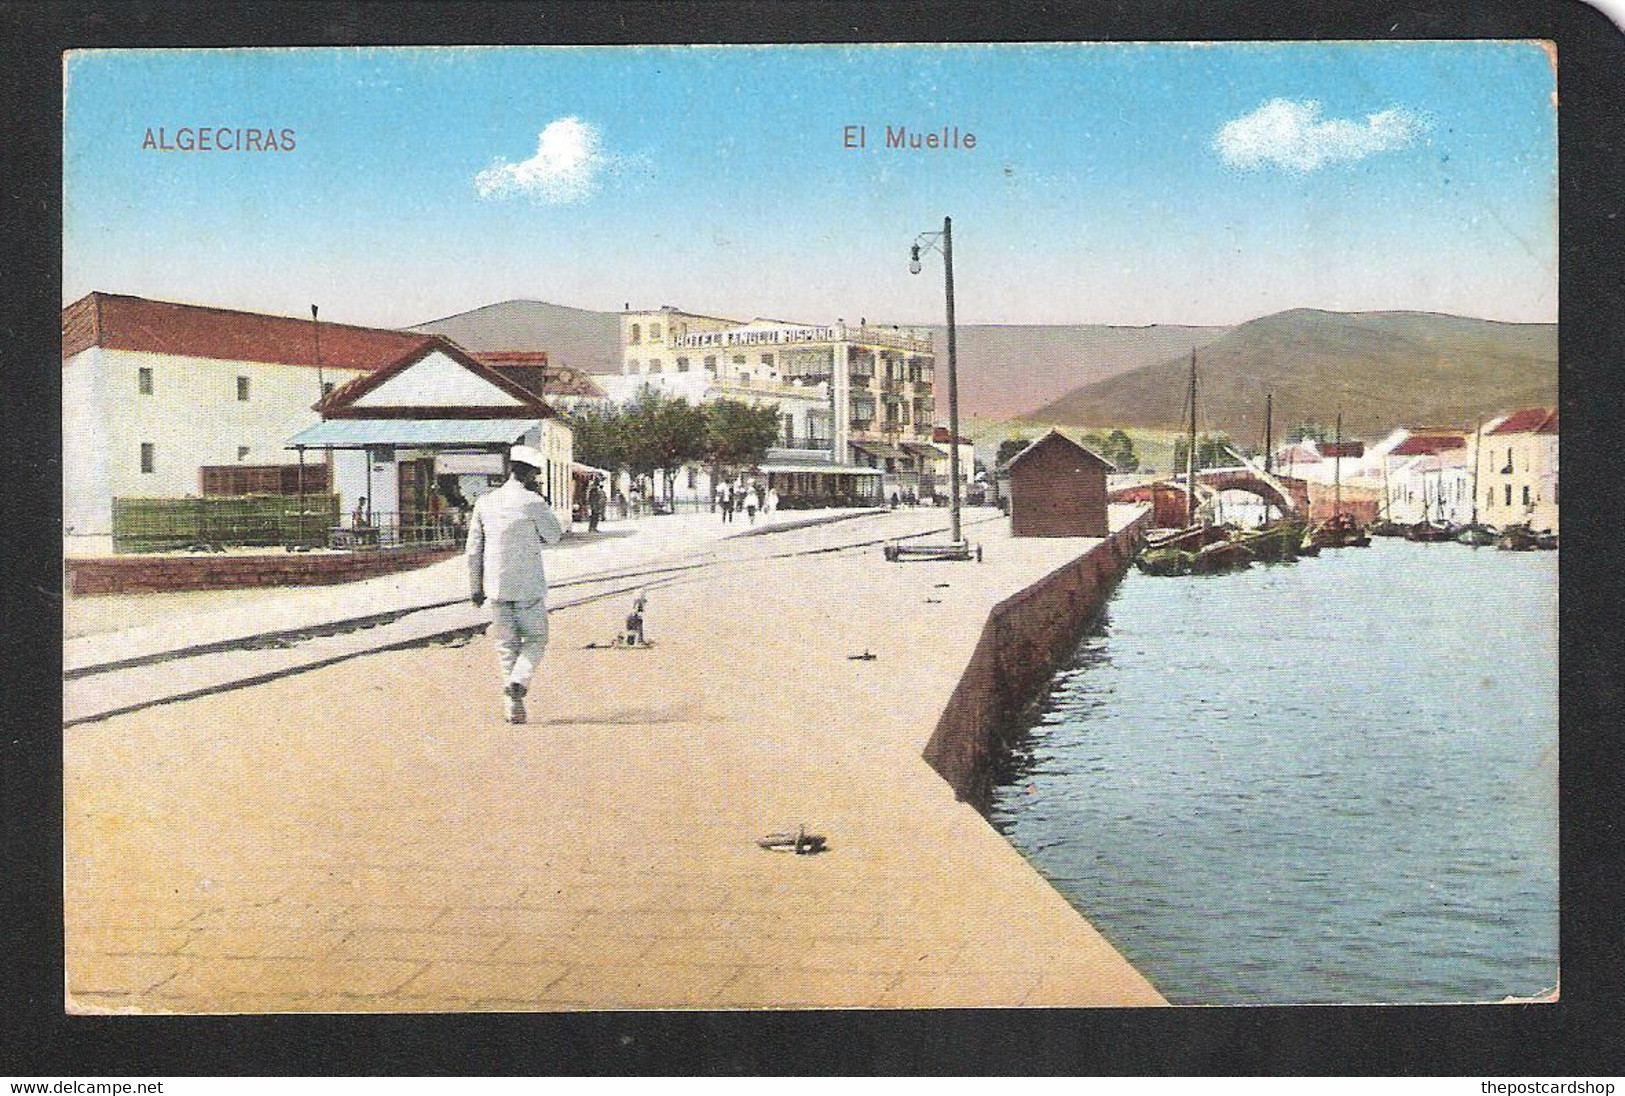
(757, 336)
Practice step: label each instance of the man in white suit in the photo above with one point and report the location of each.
(505, 538)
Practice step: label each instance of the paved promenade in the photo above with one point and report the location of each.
(370, 836)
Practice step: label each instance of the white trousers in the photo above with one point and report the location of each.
(520, 631)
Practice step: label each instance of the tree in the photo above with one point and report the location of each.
(1119, 449)
(599, 436)
(1008, 448)
(1212, 451)
(738, 434)
(661, 434)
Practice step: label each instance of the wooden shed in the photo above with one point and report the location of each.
(1057, 489)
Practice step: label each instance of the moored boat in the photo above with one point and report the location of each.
(1430, 532)
(1476, 535)
(1339, 531)
(1516, 538)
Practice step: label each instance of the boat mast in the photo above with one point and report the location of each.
(1478, 444)
(1337, 470)
(1269, 443)
(1190, 453)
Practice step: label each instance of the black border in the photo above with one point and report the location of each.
(1577, 1036)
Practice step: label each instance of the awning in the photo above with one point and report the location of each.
(921, 449)
(823, 469)
(588, 470)
(358, 433)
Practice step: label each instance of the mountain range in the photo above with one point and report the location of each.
(1382, 369)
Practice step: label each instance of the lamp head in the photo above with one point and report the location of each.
(914, 259)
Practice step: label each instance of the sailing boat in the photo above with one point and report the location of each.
(1198, 548)
(1277, 540)
(1387, 526)
(1340, 530)
(1473, 533)
(1432, 532)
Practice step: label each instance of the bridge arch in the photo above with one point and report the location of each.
(1286, 494)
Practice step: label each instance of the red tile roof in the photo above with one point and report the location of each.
(1528, 420)
(1421, 444)
(119, 322)
(940, 434)
(1332, 449)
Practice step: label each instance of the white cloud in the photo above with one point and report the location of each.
(569, 159)
(1292, 134)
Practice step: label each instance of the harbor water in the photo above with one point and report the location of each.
(1332, 781)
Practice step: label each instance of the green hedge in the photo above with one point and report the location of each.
(157, 525)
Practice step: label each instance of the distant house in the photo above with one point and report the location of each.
(1425, 474)
(1057, 489)
(562, 386)
(167, 400)
(1516, 458)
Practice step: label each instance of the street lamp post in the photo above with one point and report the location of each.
(944, 241)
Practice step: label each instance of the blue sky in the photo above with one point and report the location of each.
(1125, 184)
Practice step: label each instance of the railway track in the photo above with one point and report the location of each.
(104, 690)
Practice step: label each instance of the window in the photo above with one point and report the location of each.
(242, 389)
(710, 363)
(789, 430)
(1509, 494)
(739, 359)
(1526, 494)
(682, 367)
(767, 360)
(654, 332)
(327, 388)
(149, 458)
(654, 365)
(637, 335)
(242, 452)
(143, 381)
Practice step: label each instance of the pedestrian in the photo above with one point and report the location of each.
(727, 502)
(750, 507)
(596, 502)
(505, 539)
(761, 495)
(772, 501)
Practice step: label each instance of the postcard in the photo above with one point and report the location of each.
(559, 529)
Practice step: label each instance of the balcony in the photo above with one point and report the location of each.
(801, 449)
(896, 338)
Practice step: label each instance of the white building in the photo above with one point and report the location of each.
(1426, 474)
(857, 402)
(417, 441)
(165, 400)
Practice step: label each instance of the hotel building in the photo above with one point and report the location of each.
(857, 402)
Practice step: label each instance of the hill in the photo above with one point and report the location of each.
(577, 337)
(1006, 370)
(1382, 369)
